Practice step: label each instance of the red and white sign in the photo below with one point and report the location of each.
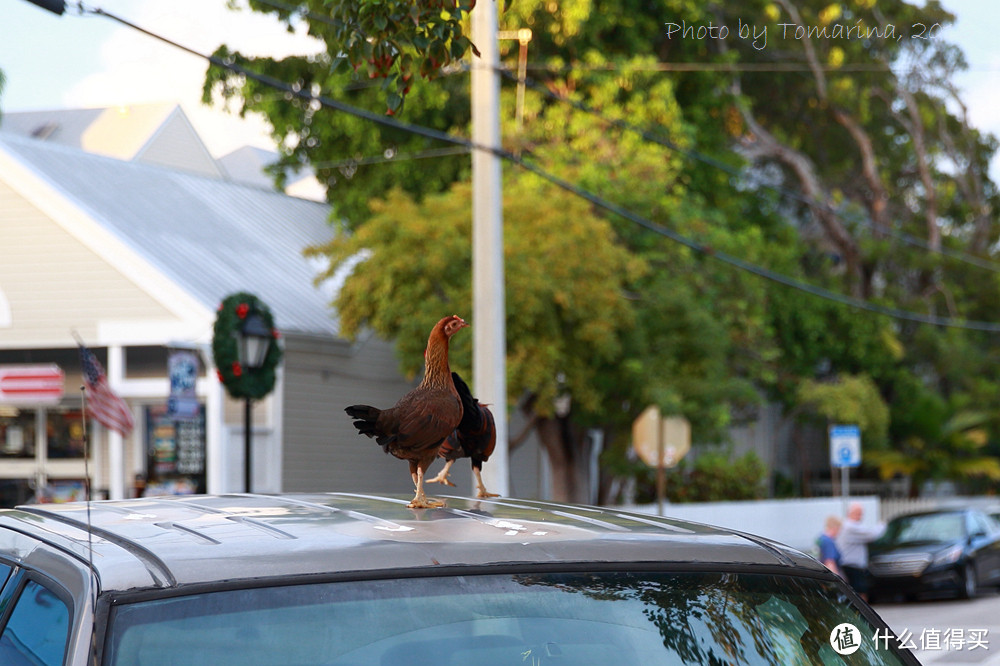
(31, 384)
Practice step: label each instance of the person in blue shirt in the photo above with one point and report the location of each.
(829, 554)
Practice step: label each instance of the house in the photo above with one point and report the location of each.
(129, 245)
(159, 134)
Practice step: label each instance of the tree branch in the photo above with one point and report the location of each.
(968, 178)
(811, 58)
(869, 169)
(763, 144)
(914, 126)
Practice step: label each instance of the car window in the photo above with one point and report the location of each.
(37, 629)
(510, 620)
(993, 519)
(4, 575)
(980, 524)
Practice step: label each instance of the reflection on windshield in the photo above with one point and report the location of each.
(601, 618)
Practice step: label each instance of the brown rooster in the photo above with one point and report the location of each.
(474, 438)
(414, 428)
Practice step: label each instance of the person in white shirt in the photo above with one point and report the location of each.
(853, 543)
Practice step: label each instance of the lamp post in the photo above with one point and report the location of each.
(246, 353)
(252, 343)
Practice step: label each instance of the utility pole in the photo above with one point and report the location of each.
(489, 357)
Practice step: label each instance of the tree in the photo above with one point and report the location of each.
(849, 400)
(888, 188)
(379, 53)
(822, 156)
(956, 451)
(894, 187)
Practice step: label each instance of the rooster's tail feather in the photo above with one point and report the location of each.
(365, 416)
(472, 411)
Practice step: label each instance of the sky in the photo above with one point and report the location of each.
(79, 61)
(76, 61)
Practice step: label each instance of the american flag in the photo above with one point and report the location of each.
(109, 410)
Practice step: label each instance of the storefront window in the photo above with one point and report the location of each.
(31, 440)
(176, 452)
(15, 491)
(17, 432)
(64, 428)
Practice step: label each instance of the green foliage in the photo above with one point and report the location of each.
(713, 476)
(391, 40)
(356, 159)
(853, 400)
(956, 451)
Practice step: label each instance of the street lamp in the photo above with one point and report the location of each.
(253, 340)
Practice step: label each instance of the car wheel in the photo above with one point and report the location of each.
(969, 584)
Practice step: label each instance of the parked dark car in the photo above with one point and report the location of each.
(301, 580)
(954, 551)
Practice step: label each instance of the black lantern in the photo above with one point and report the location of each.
(253, 341)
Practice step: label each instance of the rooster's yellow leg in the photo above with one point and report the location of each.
(442, 476)
(481, 489)
(420, 501)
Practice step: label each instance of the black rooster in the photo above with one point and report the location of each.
(474, 438)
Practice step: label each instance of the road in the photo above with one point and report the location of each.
(931, 625)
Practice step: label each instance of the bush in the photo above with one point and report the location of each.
(712, 476)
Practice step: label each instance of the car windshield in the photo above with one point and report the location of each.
(927, 528)
(513, 620)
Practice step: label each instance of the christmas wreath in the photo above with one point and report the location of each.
(239, 381)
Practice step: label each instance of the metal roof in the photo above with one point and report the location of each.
(64, 126)
(211, 237)
(170, 541)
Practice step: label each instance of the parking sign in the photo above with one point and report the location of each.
(845, 446)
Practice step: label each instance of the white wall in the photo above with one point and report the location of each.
(794, 522)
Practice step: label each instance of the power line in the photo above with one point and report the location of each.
(648, 135)
(596, 200)
(653, 137)
(391, 156)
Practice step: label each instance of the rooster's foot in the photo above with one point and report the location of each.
(425, 503)
(441, 478)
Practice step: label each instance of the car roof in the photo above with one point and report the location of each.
(937, 512)
(173, 541)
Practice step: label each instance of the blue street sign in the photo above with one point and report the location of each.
(845, 446)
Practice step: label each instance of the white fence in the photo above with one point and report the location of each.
(897, 507)
(794, 522)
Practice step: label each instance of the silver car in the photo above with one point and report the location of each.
(348, 579)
